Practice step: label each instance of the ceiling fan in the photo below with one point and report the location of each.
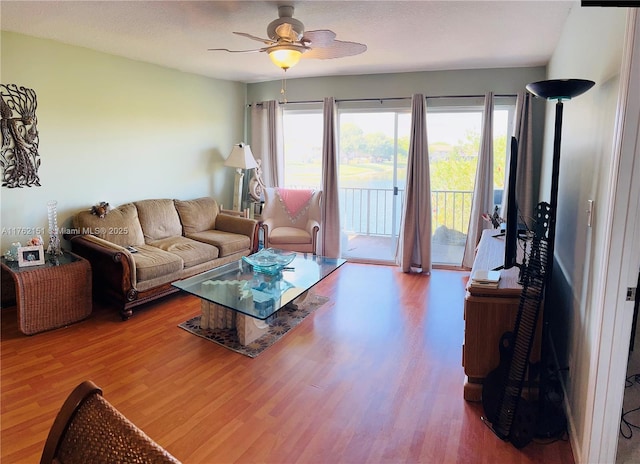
(287, 42)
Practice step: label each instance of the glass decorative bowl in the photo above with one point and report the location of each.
(269, 260)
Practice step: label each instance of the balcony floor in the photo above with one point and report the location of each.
(382, 249)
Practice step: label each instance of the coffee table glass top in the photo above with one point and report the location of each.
(258, 294)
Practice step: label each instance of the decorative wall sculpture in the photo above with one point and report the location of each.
(19, 156)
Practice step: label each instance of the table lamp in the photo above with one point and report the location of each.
(240, 158)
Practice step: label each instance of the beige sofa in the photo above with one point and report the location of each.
(173, 239)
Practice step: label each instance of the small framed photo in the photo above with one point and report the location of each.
(30, 255)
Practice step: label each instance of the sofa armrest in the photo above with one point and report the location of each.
(266, 225)
(233, 212)
(238, 225)
(313, 228)
(112, 265)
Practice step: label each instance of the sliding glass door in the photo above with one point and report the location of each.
(373, 147)
(454, 143)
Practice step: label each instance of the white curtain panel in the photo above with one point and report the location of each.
(267, 141)
(524, 180)
(330, 227)
(414, 245)
(483, 188)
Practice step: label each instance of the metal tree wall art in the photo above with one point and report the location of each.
(19, 156)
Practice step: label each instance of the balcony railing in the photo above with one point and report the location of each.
(371, 211)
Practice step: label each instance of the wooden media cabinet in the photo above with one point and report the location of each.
(489, 313)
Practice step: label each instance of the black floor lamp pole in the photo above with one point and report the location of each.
(551, 420)
(555, 176)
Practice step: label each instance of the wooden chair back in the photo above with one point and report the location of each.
(89, 429)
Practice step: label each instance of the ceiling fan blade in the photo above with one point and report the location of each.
(321, 38)
(236, 51)
(253, 37)
(337, 49)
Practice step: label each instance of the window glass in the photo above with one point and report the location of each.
(454, 135)
(373, 151)
(302, 148)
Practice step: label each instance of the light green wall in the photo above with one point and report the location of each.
(117, 130)
(590, 48)
(430, 83)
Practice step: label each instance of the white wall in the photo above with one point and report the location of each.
(590, 48)
(117, 130)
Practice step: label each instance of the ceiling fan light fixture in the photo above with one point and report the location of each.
(286, 56)
(287, 41)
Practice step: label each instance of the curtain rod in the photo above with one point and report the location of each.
(338, 101)
(351, 100)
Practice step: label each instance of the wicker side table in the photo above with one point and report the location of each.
(51, 295)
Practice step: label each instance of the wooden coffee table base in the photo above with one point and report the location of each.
(249, 329)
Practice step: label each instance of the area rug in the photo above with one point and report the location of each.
(285, 320)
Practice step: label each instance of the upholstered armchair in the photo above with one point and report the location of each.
(291, 219)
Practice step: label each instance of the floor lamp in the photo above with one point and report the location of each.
(240, 158)
(551, 420)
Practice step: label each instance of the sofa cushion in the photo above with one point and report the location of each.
(226, 242)
(281, 235)
(159, 219)
(120, 226)
(192, 252)
(152, 262)
(197, 215)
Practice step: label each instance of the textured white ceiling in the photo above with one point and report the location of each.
(401, 36)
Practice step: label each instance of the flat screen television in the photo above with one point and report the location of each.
(512, 226)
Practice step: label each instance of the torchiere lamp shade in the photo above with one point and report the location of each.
(560, 89)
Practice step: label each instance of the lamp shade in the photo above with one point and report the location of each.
(287, 55)
(241, 157)
(560, 89)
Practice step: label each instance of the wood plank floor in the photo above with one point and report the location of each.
(373, 376)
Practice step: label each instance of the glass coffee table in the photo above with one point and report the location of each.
(243, 296)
